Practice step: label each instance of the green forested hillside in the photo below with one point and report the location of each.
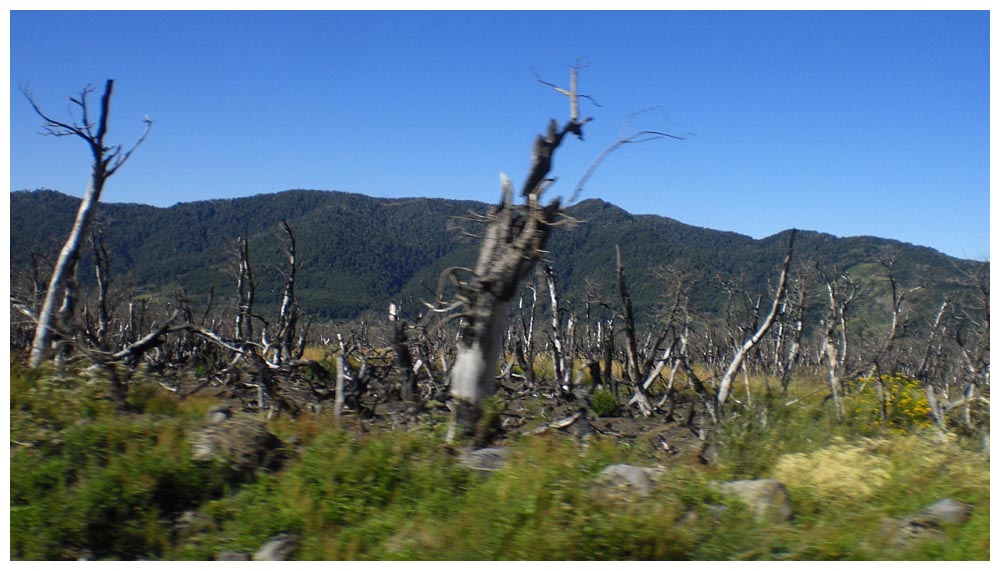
(358, 252)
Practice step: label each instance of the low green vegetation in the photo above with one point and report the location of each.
(87, 480)
(604, 403)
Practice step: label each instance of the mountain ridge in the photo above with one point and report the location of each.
(358, 252)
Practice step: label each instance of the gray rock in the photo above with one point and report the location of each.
(628, 476)
(486, 459)
(278, 548)
(218, 414)
(926, 524)
(635, 478)
(232, 556)
(709, 454)
(767, 499)
(241, 441)
(185, 521)
(947, 511)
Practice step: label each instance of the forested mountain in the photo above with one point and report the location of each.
(357, 252)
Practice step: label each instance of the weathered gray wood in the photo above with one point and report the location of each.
(727, 378)
(631, 346)
(106, 161)
(514, 240)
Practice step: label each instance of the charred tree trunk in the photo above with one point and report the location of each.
(841, 292)
(514, 240)
(631, 346)
(102, 272)
(245, 291)
(288, 315)
(791, 357)
(402, 361)
(511, 246)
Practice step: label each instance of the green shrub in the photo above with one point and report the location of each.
(107, 487)
(344, 496)
(85, 478)
(604, 403)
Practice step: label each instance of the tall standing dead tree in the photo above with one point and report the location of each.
(524, 337)
(725, 384)
(106, 162)
(633, 367)
(514, 240)
(841, 292)
(560, 337)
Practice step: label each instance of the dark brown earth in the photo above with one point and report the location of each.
(667, 437)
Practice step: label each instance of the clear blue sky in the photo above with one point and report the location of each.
(852, 123)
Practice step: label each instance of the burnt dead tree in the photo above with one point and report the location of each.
(954, 368)
(513, 243)
(673, 334)
(841, 292)
(883, 360)
(725, 384)
(288, 315)
(524, 338)
(972, 336)
(599, 338)
(633, 367)
(515, 238)
(102, 275)
(106, 162)
(561, 338)
(402, 360)
(245, 291)
(788, 347)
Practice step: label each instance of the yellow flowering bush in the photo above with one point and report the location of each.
(903, 397)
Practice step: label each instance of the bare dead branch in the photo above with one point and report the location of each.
(644, 136)
(106, 162)
(154, 338)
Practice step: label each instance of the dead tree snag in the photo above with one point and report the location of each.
(727, 378)
(631, 345)
(514, 240)
(106, 162)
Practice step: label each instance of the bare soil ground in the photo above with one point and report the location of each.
(670, 436)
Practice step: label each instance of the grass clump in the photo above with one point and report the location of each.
(88, 480)
(840, 470)
(105, 488)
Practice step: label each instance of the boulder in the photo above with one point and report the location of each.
(242, 442)
(946, 511)
(486, 459)
(278, 548)
(218, 414)
(767, 499)
(926, 524)
(634, 478)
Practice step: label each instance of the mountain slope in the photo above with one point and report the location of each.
(358, 252)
